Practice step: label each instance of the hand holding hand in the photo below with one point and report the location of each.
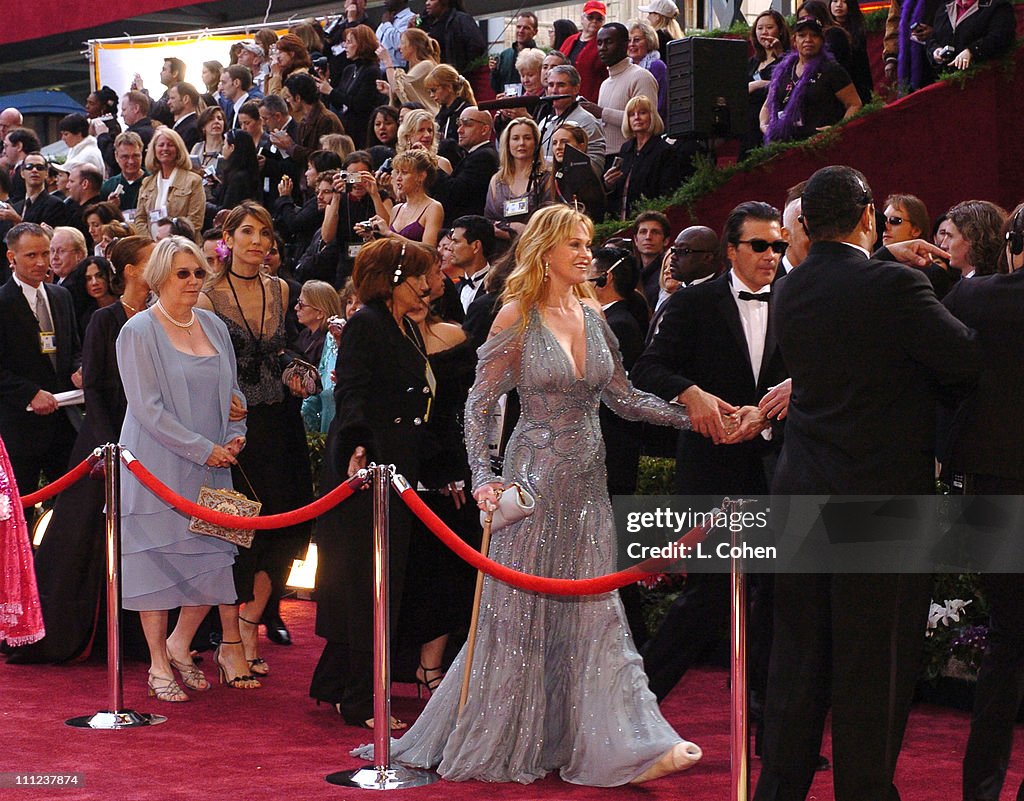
(705, 412)
(775, 404)
(357, 462)
(221, 457)
(235, 446)
(751, 423)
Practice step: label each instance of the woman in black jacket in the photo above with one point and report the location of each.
(985, 31)
(383, 397)
(648, 163)
(354, 94)
(241, 178)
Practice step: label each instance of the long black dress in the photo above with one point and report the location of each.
(382, 399)
(276, 458)
(70, 562)
(439, 587)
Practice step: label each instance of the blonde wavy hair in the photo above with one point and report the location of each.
(411, 123)
(548, 228)
(507, 166)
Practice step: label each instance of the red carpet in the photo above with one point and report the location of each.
(274, 743)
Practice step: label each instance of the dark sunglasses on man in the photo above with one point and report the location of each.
(761, 245)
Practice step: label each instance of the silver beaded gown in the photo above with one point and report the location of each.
(556, 681)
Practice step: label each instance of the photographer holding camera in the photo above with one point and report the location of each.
(347, 196)
(971, 32)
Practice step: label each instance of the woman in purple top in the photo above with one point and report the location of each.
(418, 217)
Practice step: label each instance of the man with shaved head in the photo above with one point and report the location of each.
(465, 190)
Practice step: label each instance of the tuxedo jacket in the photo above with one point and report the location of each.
(986, 439)
(44, 209)
(701, 341)
(188, 130)
(465, 190)
(25, 369)
(867, 345)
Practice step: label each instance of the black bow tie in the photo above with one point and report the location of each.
(761, 296)
(465, 281)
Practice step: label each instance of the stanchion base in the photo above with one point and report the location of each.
(394, 778)
(125, 719)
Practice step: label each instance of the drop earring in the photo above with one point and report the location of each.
(547, 269)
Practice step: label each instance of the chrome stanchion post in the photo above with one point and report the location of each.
(740, 724)
(116, 717)
(382, 776)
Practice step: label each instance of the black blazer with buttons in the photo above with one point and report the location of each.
(25, 369)
(700, 341)
(381, 396)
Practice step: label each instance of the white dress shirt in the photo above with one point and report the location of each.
(753, 318)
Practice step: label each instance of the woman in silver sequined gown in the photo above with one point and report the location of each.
(556, 682)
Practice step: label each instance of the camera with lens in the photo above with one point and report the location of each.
(350, 178)
(320, 65)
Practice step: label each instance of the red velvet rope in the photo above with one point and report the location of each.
(75, 474)
(525, 581)
(263, 522)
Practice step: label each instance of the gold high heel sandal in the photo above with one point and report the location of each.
(191, 676)
(258, 666)
(245, 682)
(166, 690)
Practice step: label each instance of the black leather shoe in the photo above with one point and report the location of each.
(277, 632)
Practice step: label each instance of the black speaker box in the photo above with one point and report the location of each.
(707, 87)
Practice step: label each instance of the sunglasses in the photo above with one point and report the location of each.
(894, 221)
(184, 275)
(761, 245)
(682, 250)
(40, 167)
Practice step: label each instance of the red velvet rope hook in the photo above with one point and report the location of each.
(80, 471)
(526, 581)
(263, 522)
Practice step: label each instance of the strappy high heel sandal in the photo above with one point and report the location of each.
(425, 683)
(191, 676)
(166, 690)
(257, 666)
(245, 682)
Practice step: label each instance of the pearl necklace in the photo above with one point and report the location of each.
(186, 326)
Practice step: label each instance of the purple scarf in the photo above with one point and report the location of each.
(782, 127)
(911, 66)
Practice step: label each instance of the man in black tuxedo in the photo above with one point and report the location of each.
(39, 351)
(865, 342)
(183, 102)
(39, 206)
(986, 448)
(465, 190)
(714, 352)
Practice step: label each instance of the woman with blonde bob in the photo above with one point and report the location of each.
(574, 660)
(171, 189)
(451, 93)
(520, 186)
(418, 218)
(419, 129)
(649, 163)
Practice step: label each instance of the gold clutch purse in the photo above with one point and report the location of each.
(230, 502)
